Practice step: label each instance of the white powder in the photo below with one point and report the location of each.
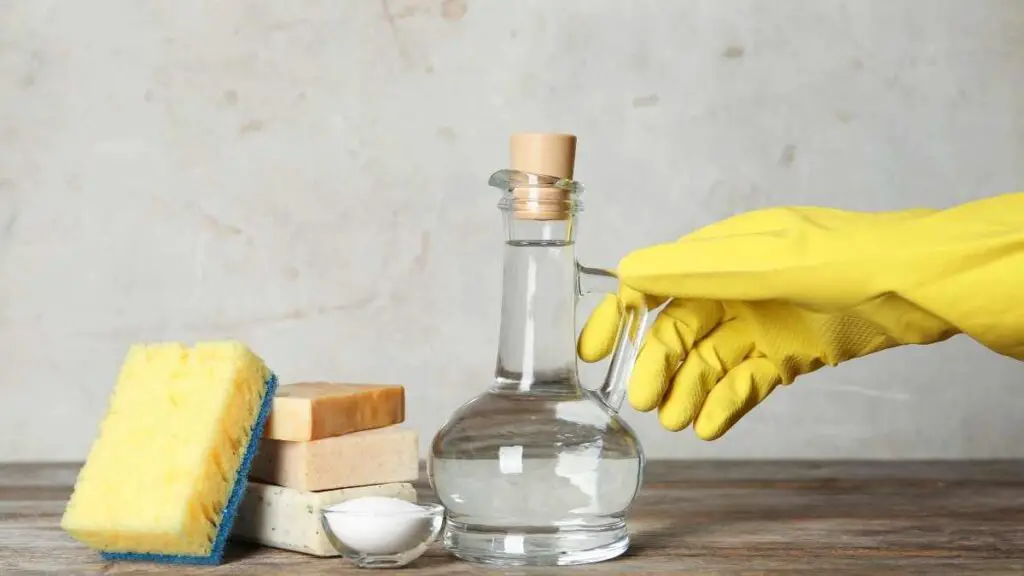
(378, 525)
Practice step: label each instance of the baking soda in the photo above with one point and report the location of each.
(378, 525)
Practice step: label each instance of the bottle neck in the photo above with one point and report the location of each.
(537, 344)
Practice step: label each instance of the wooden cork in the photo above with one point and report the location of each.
(549, 155)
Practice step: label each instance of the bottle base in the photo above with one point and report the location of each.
(519, 546)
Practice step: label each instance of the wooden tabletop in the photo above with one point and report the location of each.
(692, 517)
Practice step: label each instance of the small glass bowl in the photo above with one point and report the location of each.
(383, 539)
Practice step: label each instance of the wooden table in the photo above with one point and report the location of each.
(692, 517)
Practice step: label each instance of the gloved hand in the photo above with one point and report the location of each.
(759, 299)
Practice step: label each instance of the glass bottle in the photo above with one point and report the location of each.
(539, 470)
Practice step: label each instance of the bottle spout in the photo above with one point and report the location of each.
(633, 317)
(537, 197)
(539, 183)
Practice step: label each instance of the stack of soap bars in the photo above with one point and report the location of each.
(323, 444)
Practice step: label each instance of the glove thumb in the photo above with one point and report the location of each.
(601, 330)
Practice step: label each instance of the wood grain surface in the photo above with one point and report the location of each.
(691, 517)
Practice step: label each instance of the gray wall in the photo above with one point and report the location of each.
(310, 177)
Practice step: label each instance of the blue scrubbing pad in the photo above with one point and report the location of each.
(198, 420)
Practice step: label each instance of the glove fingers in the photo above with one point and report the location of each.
(712, 359)
(694, 319)
(670, 339)
(744, 387)
(654, 366)
(597, 339)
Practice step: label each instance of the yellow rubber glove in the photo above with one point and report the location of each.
(759, 299)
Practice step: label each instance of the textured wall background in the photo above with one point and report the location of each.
(310, 177)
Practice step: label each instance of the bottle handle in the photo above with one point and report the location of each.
(632, 324)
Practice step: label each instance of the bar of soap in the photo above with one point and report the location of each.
(314, 410)
(289, 519)
(379, 456)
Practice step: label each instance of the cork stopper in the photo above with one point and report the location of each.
(551, 155)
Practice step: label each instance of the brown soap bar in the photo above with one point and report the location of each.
(364, 458)
(314, 410)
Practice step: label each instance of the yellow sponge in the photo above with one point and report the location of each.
(164, 478)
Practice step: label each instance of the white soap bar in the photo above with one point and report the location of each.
(290, 519)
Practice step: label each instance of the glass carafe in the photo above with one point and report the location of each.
(538, 469)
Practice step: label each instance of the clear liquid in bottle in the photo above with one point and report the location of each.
(538, 469)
